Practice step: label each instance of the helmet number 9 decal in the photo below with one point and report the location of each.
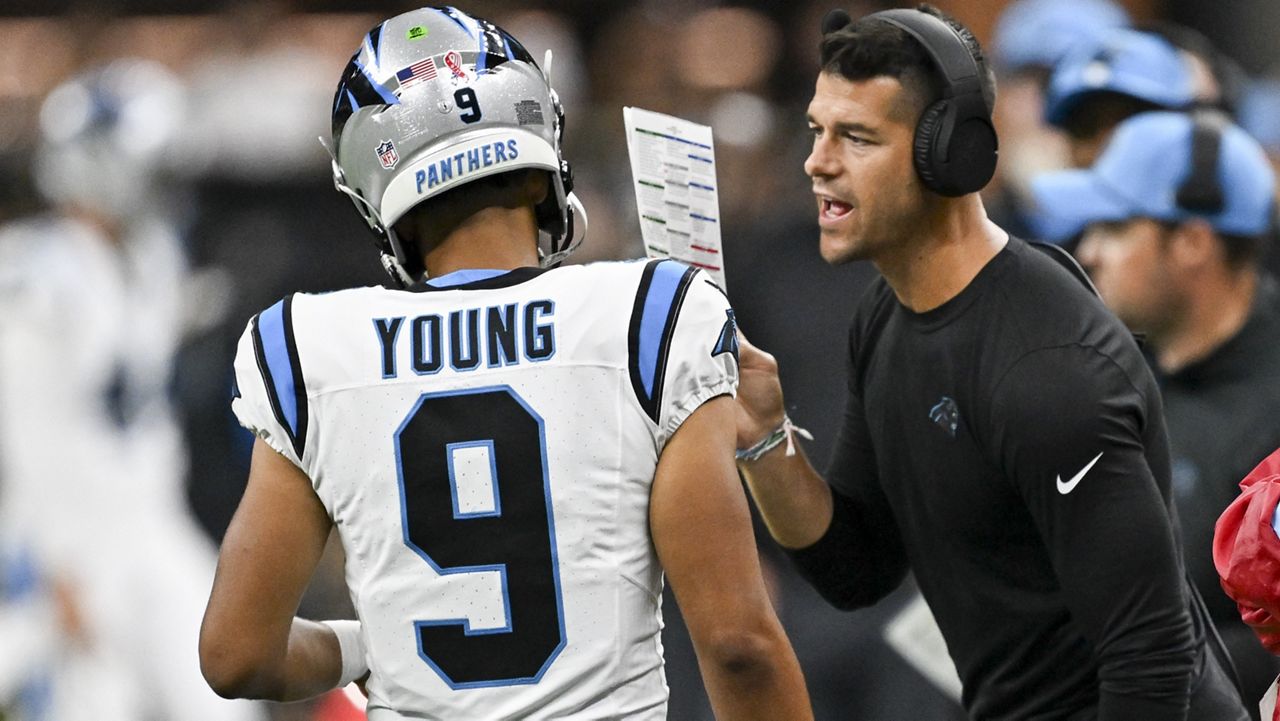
(466, 100)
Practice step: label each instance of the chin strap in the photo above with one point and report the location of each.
(396, 271)
(385, 238)
(575, 230)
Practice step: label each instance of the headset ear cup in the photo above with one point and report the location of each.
(974, 153)
(966, 162)
(925, 151)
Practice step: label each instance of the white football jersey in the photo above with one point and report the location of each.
(88, 331)
(92, 468)
(486, 450)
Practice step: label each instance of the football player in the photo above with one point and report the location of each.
(92, 299)
(512, 453)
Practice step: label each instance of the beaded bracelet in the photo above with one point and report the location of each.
(786, 430)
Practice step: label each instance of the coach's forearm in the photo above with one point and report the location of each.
(793, 498)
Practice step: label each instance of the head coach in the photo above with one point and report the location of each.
(1003, 436)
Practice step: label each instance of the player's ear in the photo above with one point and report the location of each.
(537, 184)
(406, 228)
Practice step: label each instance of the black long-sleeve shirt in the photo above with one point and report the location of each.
(1009, 448)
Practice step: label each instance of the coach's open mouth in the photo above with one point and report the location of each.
(831, 210)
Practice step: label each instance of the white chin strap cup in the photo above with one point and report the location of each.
(578, 218)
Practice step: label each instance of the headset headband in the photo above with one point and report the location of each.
(943, 44)
(1201, 192)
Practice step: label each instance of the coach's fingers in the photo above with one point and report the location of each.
(759, 401)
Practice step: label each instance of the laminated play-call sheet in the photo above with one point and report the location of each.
(673, 165)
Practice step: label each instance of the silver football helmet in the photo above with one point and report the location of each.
(105, 135)
(434, 99)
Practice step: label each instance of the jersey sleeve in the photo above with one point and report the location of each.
(683, 344)
(1071, 433)
(269, 397)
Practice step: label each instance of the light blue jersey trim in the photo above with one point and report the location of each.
(464, 276)
(654, 319)
(275, 349)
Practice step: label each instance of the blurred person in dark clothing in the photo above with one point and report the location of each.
(1175, 215)
(981, 368)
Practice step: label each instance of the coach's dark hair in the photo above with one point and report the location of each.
(871, 48)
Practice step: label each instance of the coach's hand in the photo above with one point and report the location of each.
(759, 402)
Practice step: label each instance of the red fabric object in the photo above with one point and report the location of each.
(335, 706)
(1246, 551)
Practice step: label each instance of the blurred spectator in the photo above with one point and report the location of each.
(1217, 81)
(92, 302)
(258, 97)
(1175, 214)
(1100, 83)
(1260, 115)
(1031, 36)
(1260, 112)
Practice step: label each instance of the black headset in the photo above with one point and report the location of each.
(1201, 191)
(955, 145)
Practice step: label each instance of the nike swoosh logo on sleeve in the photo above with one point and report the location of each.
(1069, 486)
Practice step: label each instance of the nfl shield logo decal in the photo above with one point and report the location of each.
(387, 154)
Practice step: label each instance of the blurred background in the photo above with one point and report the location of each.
(243, 188)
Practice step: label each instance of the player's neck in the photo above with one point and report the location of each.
(496, 238)
(942, 254)
(1218, 308)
